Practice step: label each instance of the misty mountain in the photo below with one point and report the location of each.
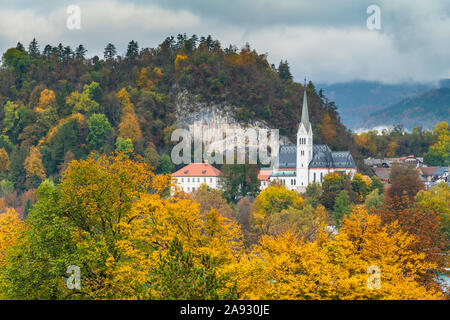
(358, 99)
(423, 110)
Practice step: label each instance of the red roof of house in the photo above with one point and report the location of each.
(197, 170)
(264, 174)
(428, 171)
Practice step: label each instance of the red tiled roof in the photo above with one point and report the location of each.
(197, 170)
(264, 174)
(428, 171)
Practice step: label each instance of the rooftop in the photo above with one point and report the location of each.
(197, 170)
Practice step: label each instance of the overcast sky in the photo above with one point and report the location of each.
(323, 40)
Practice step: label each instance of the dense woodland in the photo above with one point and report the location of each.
(85, 181)
(60, 105)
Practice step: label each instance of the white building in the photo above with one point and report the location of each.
(192, 176)
(304, 163)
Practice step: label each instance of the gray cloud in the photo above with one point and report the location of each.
(324, 40)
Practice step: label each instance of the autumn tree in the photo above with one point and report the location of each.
(374, 199)
(271, 201)
(152, 157)
(286, 267)
(84, 102)
(439, 152)
(124, 145)
(437, 199)
(423, 224)
(212, 199)
(4, 161)
(113, 218)
(404, 180)
(34, 168)
(129, 126)
(328, 129)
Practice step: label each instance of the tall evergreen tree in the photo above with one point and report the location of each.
(284, 71)
(47, 51)
(110, 51)
(20, 46)
(68, 54)
(33, 49)
(132, 50)
(80, 52)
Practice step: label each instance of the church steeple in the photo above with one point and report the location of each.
(305, 116)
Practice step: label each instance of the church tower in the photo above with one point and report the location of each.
(304, 146)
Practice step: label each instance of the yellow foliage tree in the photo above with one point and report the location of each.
(10, 227)
(285, 267)
(143, 79)
(273, 199)
(129, 125)
(4, 160)
(47, 100)
(178, 60)
(34, 168)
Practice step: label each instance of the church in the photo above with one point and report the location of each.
(299, 165)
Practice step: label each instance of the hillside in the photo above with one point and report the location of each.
(358, 99)
(59, 104)
(423, 110)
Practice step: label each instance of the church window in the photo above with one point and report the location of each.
(314, 177)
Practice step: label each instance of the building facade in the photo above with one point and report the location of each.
(192, 176)
(298, 165)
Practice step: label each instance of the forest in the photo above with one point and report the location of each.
(85, 181)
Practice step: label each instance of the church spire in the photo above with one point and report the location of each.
(305, 116)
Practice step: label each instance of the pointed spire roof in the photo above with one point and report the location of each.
(305, 116)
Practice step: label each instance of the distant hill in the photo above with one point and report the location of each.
(423, 110)
(356, 100)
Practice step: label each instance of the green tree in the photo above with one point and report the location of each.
(374, 199)
(132, 50)
(342, 206)
(166, 166)
(377, 184)
(110, 52)
(37, 263)
(80, 52)
(239, 180)
(179, 276)
(99, 128)
(33, 49)
(124, 145)
(284, 71)
(152, 157)
(17, 60)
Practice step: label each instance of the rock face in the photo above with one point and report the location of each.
(216, 122)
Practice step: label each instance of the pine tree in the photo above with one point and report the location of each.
(33, 49)
(68, 54)
(20, 46)
(47, 51)
(110, 51)
(284, 71)
(132, 50)
(80, 52)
